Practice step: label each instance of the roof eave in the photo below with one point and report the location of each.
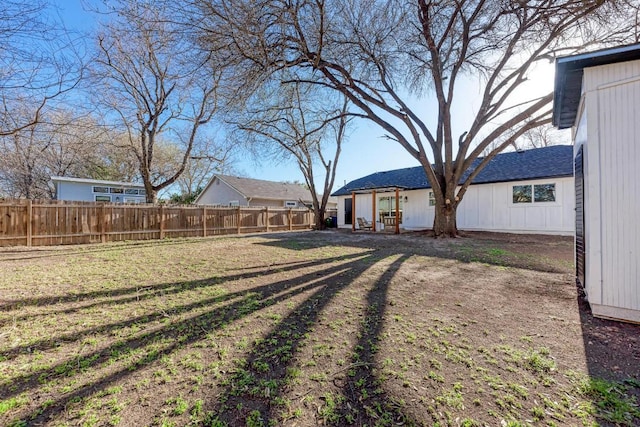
(569, 72)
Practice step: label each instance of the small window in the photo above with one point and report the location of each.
(142, 192)
(234, 203)
(131, 191)
(116, 190)
(521, 194)
(544, 193)
(540, 193)
(432, 199)
(132, 200)
(103, 198)
(290, 204)
(97, 189)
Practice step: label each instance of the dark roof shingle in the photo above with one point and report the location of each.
(546, 162)
(261, 189)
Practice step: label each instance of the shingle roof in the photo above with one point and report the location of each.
(260, 189)
(547, 162)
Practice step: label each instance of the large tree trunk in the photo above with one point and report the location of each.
(320, 224)
(444, 222)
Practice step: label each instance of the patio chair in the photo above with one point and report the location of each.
(364, 224)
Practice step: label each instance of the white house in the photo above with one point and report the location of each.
(518, 192)
(93, 190)
(238, 191)
(597, 94)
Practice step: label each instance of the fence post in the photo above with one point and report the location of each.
(29, 222)
(161, 222)
(204, 221)
(290, 219)
(238, 219)
(102, 223)
(266, 218)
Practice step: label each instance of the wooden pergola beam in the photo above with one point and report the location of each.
(397, 210)
(353, 211)
(373, 210)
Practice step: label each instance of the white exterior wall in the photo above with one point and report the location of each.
(490, 207)
(486, 207)
(611, 116)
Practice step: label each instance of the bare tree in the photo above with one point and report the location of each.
(40, 61)
(61, 144)
(383, 55)
(297, 121)
(157, 86)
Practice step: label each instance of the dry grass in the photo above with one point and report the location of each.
(299, 329)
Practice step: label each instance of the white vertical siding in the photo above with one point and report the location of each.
(611, 118)
(489, 207)
(416, 213)
(619, 133)
(486, 207)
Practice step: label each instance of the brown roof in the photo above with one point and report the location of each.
(260, 189)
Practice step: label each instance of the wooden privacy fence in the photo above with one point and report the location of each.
(46, 223)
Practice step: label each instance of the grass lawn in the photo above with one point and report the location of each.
(312, 328)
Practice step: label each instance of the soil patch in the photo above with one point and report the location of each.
(313, 328)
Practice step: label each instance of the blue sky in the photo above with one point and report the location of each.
(366, 151)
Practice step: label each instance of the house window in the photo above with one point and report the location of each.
(234, 203)
(432, 199)
(132, 200)
(103, 198)
(290, 204)
(387, 210)
(544, 193)
(142, 192)
(131, 191)
(116, 190)
(97, 189)
(537, 193)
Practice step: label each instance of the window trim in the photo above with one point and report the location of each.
(290, 204)
(93, 189)
(533, 195)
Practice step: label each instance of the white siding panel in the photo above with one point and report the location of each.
(619, 133)
(483, 211)
(416, 211)
(489, 207)
(486, 207)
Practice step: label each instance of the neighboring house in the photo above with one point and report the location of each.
(598, 95)
(237, 191)
(519, 192)
(93, 190)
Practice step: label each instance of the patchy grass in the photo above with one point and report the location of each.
(302, 329)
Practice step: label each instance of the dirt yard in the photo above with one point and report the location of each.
(306, 329)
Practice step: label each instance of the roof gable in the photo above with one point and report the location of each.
(260, 189)
(537, 163)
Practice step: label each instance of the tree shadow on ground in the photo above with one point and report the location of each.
(164, 340)
(254, 392)
(264, 376)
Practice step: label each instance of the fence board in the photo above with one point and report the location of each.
(51, 222)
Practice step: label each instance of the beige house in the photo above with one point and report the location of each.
(238, 191)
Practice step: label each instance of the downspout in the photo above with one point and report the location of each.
(249, 201)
